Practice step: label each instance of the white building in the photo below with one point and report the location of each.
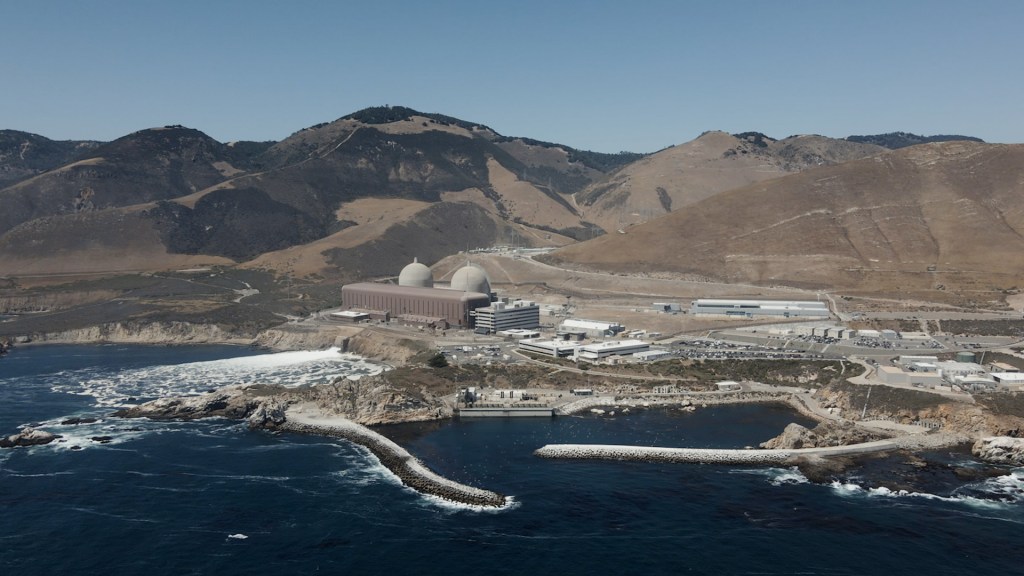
(593, 327)
(599, 350)
(954, 371)
(1012, 380)
(501, 316)
(751, 308)
(652, 355)
(553, 348)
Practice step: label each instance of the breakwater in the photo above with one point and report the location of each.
(703, 455)
(398, 460)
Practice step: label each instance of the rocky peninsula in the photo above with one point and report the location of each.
(326, 411)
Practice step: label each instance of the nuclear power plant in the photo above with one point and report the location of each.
(415, 300)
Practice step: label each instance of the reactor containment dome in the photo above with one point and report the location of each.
(416, 275)
(471, 278)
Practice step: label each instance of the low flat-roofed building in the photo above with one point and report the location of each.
(906, 361)
(599, 350)
(1002, 367)
(751, 308)
(951, 371)
(975, 383)
(652, 355)
(891, 375)
(728, 386)
(553, 348)
(349, 316)
(1009, 378)
(593, 327)
(915, 336)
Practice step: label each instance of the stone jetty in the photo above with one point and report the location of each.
(704, 455)
(398, 460)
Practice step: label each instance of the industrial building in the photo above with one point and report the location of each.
(501, 316)
(553, 348)
(415, 299)
(594, 328)
(409, 301)
(652, 355)
(600, 350)
(751, 308)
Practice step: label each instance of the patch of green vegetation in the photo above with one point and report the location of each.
(894, 140)
(387, 114)
(756, 138)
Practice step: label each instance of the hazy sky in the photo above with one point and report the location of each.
(605, 76)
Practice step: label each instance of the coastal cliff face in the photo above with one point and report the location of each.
(368, 401)
(367, 342)
(145, 333)
(384, 347)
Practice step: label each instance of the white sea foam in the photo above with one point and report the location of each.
(997, 492)
(238, 536)
(778, 476)
(289, 369)
(450, 507)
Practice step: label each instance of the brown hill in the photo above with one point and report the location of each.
(154, 164)
(24, 155)
(293, 201)
(940, 221)
(715, 162)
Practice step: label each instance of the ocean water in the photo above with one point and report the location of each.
(211, 497)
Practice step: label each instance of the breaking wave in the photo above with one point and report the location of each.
(996, 492)
(289, 369)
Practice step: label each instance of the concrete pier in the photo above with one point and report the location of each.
(703, 455)
(409, 470)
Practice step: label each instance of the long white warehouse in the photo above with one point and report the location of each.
(751, 308)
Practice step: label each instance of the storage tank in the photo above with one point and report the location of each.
(965, 356)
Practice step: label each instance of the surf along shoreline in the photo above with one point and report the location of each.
(317, 421)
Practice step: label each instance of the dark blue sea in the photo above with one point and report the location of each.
(211, 497)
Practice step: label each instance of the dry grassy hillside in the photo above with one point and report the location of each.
(937, 221)
(713, 163)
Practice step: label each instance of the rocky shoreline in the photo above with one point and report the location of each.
(316, 411)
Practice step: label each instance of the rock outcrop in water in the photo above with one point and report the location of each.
(1000, 450)
(826, 433)
(27, 437)
(337, 406)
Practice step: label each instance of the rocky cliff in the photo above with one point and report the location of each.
(368, 401)
(1000, 450)
(826, 433)
(133, 332)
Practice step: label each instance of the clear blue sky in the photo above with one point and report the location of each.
(606, 76)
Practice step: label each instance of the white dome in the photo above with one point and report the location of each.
(471, 278)
(416, 274)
